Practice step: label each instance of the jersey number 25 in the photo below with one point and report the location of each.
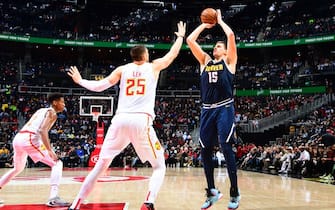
(135, 86)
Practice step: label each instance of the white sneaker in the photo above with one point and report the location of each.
(329, 177)
(323, 176)
(57, 202)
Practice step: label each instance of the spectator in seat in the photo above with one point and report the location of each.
(301, 164)
(286, 160)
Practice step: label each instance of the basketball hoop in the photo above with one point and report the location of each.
(95, 116)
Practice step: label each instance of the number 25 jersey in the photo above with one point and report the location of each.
(137, 89)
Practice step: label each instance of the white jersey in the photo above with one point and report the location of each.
(34, 124)
(137, 89)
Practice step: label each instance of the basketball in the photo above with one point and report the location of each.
(208, 15)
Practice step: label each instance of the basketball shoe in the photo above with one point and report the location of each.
(213, 195)
(57, 202)
(329, 177)
(323, 176)
(147, 206)
(234, 202)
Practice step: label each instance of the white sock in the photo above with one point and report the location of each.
(55, 177)
(53, 191)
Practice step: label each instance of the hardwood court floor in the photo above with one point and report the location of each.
(183, 189)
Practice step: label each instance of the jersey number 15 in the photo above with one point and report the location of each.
(212, 76)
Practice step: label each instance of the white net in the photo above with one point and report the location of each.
(95, 116)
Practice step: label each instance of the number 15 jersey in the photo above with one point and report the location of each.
(216, 83)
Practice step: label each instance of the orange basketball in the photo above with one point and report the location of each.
(208, 15)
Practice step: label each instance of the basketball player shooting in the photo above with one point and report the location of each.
(217, 114)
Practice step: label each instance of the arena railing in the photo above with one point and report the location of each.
(264, 124)
(111, 91)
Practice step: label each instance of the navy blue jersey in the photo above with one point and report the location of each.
(216, 83)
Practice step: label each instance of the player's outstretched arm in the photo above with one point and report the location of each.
(231, 43)
(162, 63)
(92, 85)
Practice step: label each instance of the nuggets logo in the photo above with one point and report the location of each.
(157, 145)
(217, 67)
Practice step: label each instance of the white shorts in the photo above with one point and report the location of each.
(28, 143)
(135, 128)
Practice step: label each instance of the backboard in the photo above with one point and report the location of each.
(101, 104)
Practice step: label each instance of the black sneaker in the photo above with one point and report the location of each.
(147, 206)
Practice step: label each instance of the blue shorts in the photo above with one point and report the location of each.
(217, 125)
